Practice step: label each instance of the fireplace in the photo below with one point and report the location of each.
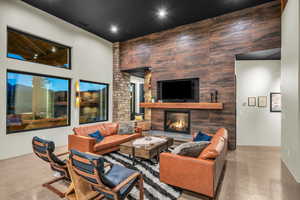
(177, 121)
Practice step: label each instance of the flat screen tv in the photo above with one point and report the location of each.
(181, 90)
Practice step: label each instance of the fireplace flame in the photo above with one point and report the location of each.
(178, 124)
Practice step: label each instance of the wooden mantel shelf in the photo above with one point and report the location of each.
(192, 106)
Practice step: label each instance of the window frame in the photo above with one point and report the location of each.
(107, 96)
(43, 39)
(41, 75)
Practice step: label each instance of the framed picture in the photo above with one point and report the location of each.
(251, 101)
(275, 102)
(262, 101)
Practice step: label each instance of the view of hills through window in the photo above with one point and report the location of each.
(94, 102)
(36, 102)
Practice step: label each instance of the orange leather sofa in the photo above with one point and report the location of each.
(82, 142)
(200, 175)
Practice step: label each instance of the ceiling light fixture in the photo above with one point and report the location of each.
(114, 29)
(53, 49)
(162, 13)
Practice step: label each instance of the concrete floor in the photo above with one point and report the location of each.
(252, 173)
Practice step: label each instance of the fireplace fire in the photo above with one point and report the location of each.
(177, 121)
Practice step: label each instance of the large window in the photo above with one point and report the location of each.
(23, 46)
(93, 102)
(36, 101)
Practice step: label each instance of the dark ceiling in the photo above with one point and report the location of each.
(136, 17)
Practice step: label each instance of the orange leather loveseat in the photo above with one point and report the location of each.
(200, 175)
(82, 142)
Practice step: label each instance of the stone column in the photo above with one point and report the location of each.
(148, 94)
(121, 93)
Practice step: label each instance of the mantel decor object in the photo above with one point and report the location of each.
(214, 97)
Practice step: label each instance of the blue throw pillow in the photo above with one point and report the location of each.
(202, 137)
(97, 135)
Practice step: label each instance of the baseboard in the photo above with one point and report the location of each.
(277, 148)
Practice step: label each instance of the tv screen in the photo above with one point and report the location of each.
(185, 90)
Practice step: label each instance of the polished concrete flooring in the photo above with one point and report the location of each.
(252, 173)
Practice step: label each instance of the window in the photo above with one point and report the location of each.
(36, 102)
(23, 46)
(93, 102)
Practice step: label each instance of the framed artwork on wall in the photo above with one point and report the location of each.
(251, 101)
(262, 101)
(275, 102)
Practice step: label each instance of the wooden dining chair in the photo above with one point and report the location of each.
(44, 149)
(114, 183)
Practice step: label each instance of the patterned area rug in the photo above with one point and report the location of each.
(154, 189)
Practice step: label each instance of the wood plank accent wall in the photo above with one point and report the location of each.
(206, 50)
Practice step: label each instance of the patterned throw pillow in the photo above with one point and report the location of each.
(126, 128)
(191, 149)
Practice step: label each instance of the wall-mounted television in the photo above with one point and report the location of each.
(180, 90)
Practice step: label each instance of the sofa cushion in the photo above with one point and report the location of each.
(214, 149)
(223, 133)
(190, 149)
(86, 130)
(111, 128)
(114, 140)
(126, 128)
(215, 139)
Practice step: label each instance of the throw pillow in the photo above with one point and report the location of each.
(126, 128)
(202, 137)
(191, 149)
(97, 135)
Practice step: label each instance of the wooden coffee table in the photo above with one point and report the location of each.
(146, 152)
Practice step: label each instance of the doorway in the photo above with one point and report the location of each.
(256, 80)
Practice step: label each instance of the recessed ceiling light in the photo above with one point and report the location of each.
(162, 13)
(53, 49)
(114, 29)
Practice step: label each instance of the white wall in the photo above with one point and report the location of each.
(290, 87)
(91, 60)
(138, 81)
(257, 126)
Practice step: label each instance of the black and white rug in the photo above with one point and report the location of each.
(153, 188)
